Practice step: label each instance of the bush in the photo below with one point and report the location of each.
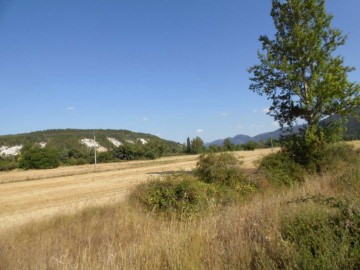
(338, 155)
(223, 169)
(8, 164)
(34, 157)
(347, 178)
(324, 233)
(249, 146)
(178, 194)
(310, 146)
(279, 169)
(105, 157)
(128, 152)
(224, 173)
(76, 161)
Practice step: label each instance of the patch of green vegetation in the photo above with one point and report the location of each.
(324, 232)
(35, 157)
(67, 144)
(281, 170)
(8, 163)
(178, 194)
(250, 146)
(338, 155)
(217, 180)
(222, 169)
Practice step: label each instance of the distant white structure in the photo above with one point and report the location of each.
(130, 141)
(91, 143)
(114, 141)
(10, 150)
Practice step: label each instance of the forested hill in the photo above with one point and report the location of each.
(66, 139)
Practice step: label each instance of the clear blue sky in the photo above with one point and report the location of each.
(173, 68)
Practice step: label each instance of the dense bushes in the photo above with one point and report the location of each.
(35, 157)
(337, 155)
(133, 151)
(223, 169)
(324, 233)
(8, 163)
(178, 194)
(218, 178)
(316, 232)
(282, 169)
(249, 146)
(310, 146)
(279, 169)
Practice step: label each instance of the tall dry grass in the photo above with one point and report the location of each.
(246, 236)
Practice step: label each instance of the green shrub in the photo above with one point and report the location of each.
(177, 194)
(310, 145)
(225, 195)
(324, 233)
(279, 169)
(249, 146)
(151, 154)
(223, 169)
(105, 157)
(8, 164)
(76, 161)
(337, 155)
(347, 179)
(35, 157)
(128, 151)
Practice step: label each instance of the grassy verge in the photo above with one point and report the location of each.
(312, 225)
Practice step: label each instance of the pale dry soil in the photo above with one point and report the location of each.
(40, 194)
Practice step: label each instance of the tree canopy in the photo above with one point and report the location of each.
(303, 77)
(298, 69)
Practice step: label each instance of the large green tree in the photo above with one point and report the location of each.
(299, 70)
(197, 145)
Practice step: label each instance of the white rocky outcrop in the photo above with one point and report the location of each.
(91, 143)
(42, 144)
(130, 141)
(10, 150)
(143, 141)
(114, 141)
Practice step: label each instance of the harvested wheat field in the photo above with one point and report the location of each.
(31, 195)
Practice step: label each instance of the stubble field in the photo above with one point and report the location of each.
(35, 195)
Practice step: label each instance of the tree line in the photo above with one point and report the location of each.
(33, 156)
(197, 146)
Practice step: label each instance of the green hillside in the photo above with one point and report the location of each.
(51, 148)
(70, 138)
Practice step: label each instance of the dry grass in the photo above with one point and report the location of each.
(356, 144)
(117, 235)
(123, 237)
(70, 189)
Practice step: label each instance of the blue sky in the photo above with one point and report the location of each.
(173, 68)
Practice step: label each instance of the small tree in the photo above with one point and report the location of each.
(228, 145)
(188, 146)
(250, 146)
(300, 74)
(197, 145)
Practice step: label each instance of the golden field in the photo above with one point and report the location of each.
(105, 232)
(37, 194)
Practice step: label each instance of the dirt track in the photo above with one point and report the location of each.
(33, 195)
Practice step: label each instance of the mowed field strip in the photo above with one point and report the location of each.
(37, 194)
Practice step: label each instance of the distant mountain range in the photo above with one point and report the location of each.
(352, 132)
